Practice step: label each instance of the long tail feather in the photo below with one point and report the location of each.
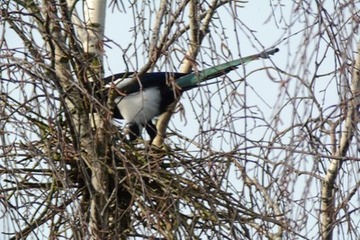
(193, 79)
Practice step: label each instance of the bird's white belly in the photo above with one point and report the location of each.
(141, 106)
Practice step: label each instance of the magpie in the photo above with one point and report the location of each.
(141, 98)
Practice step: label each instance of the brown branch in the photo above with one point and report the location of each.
(43, 218)
(197, 34)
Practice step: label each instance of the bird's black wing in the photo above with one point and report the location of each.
(113, 78)
(148, 80)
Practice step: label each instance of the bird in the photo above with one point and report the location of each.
(141, 98)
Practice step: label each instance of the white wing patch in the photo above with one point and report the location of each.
(140, 107)
(122, 82)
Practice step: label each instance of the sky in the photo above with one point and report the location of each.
(263, 38)
(260, 26)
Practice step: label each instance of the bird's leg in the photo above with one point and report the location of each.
(151, 130)
(134, 131)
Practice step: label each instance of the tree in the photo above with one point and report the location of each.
(279, 164)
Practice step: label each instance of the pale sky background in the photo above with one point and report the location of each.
(261, 90)
(252, 15)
